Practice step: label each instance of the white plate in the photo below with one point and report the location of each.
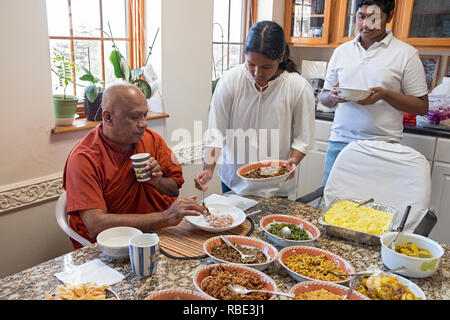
(354, 94)
(412, 286)
(199, 221)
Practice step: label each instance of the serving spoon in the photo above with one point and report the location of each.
(242, 290)
(245, 258)
(285, 232)
(361, 273)
(400, 228)
(365, 202)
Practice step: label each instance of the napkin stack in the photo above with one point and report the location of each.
(232, 200)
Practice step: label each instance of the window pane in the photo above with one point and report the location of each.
(82, 59)
(236, 19)
(109, 70)
(220, 18)
(430, 19)
(308, 18)
(85, 18)
(235, 55)
(63, 46)
(350, 24)
(57, 18)
(114, 12)
(220, 62)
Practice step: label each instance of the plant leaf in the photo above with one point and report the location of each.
(87, 77)
(115, 58)
(144, 86)
(91, 93)
(125, 69)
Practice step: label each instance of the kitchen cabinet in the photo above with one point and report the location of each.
(424, 23)
(440, 191)
(307, 22)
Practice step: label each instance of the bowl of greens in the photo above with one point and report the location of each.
(302, 232)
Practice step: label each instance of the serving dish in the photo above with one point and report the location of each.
(114, 242)
(415, 267)
(200, 222)
(177, 294)
(338, 289)
(354, 94)
(312, 231)
(202, 272)
(285, 253)
(269, 181)
(353, 235)
(248, 242)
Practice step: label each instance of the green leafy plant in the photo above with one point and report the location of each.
(62, 67)
(93, 89)
(123, 71)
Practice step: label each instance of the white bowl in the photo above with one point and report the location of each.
(114, 242)
(271, 181)
(247, 242)
(310, 229)
(63, 121)
(177, 294)
(354, 94)
(237, 214)
(416, 267)
(338, 289)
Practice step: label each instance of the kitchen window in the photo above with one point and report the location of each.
(75, 28)
(232, 20)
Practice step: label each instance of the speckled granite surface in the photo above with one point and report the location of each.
(34, 282)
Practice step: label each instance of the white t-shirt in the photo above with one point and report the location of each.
(273, 121)
(390, 64)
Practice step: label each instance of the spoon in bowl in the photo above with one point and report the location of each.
(285, 232)
(400, 228)
(365, 202)
(245, 258)
(242, 290)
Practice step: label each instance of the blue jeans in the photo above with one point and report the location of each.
(225, 188)
(334, 148)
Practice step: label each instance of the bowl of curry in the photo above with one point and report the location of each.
(264, 172)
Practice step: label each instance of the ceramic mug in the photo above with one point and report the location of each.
(144, 254)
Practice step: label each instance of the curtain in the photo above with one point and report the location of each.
(136, 30)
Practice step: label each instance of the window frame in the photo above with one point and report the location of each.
(132, 7)
(248, 19)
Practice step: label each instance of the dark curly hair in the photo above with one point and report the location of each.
(386, 5)
(267, 38)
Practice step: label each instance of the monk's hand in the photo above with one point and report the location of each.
(154, 170)
(181, 207)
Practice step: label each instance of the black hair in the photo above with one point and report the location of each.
(267, 38)
(386, 5)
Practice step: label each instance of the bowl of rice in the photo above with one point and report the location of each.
(321, 290)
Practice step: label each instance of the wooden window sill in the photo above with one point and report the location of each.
(83, 124)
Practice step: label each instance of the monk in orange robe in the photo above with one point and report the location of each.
(102, 190)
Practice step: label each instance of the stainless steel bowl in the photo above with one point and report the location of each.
(353, 235)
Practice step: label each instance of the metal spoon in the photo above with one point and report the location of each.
(242, 290)
(361, 273)
(400, 228)
(285, 232)
(365, 202)
(245, 258)
(353, 284)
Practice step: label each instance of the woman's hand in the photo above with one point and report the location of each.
(203, 178)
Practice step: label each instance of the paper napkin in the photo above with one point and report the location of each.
(232, 200)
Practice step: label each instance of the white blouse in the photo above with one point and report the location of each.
(251, 126)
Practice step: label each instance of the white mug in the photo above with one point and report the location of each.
(144, 254)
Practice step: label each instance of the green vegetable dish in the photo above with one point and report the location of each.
(297, 233)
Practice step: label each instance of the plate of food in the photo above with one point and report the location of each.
(220, 218)
(265, 172)
(84, 291)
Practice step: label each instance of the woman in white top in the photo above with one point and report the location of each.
(260, 110)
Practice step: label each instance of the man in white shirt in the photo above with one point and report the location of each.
(377, 61)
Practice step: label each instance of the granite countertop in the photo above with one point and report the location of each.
(34, 282)
(407, 127)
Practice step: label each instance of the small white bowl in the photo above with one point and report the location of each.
(310, 229)
(354, 94)
(247, 242)
(416, 267)
(114, 242)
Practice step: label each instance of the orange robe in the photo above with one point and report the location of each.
(99, 175)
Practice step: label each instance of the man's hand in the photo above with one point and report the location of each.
(378, 93)
(154, 170)
(203, 178)
(182, 207)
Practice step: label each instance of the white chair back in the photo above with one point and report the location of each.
(391, 173)
(63, 222)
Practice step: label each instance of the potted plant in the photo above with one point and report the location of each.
(92, 94)
(65, 106)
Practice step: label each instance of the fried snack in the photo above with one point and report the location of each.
(320, 294)
(207, 210)
(315, 267)
(346, 214)
(85, 291)
(410, 249)
(384, 287)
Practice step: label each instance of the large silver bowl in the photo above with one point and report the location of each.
(353, 235)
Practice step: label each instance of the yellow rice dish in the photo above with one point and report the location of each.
(345, 214)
